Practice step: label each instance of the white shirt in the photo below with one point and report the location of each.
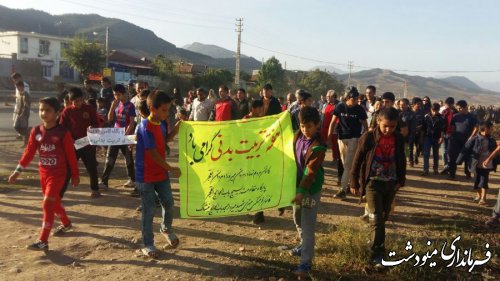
(200, 111)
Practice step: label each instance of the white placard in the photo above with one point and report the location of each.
(105, 137)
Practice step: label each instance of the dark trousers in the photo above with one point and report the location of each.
(456, 146)
(340, 169)
(379, 197)
(111, 159)
(416, 142)
(87, 154)
(482, 178)
(446, 149)
(66, 183)
(429, 143)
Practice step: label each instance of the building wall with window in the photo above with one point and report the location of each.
(45, 48)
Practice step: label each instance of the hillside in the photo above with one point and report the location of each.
(458, 87)
(123, 35)
(223, 55)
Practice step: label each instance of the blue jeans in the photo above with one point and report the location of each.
(304, 216)
(429, 143)
(148, 192)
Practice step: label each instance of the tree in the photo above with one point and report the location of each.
(272, 72)
(318, 82)
(86, 57)
(213, 78)
(163, 67)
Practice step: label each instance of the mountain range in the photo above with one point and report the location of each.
(458, 87)
(123, 35)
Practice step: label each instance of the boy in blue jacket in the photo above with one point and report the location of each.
(478, 148)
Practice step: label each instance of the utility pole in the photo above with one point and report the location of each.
(238, 53)
(405, 90)
(349, 65)
(107, 46)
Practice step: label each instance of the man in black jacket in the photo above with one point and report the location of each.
(271, 104)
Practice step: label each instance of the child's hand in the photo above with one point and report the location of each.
(486, 162)
(440, 141)
(12, 179)
(298, 199)
(75, 182)
(175, 172)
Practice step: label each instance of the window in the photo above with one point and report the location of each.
(65, 71)
(47, 71)
(44, 47)
(24, 45)
(64, 46)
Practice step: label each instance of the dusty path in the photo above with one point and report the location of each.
(106, 236)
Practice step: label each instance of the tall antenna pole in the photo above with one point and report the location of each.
(238, 53)
(107, 46)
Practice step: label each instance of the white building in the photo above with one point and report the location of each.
(34, 46)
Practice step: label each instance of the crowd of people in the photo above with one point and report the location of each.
(372, 139)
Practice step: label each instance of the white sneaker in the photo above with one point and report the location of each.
(129, 183)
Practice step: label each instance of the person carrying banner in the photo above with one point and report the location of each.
(124, 111)
(77, 118)
(152, 171)
(309, 152)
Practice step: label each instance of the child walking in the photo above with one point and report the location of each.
(152, 171)
(56, 153)
(433, 129)
(77, 118)
(379, 167)
(309, 156)
(22, 112)
(478, 149)
(123, 112)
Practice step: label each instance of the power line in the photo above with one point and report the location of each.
(368, 67)
(144, 17)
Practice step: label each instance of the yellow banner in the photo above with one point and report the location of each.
(236, 167)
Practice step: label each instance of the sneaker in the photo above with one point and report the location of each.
(377, 263)
(129, 183)
(302, 270)
(281, 211)
(468, 175)
(172, 239)
(39, 246)
(365, 217)
(19, 137)
(95, 194)
(135, 193)
(60, 230)
(340, 195)
(425, 174)
(139, 209)
(476, 199)
(258, 218)
(297, 251)
(444, 171)
(103, 186)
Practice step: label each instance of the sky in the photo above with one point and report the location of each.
(412, 37)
